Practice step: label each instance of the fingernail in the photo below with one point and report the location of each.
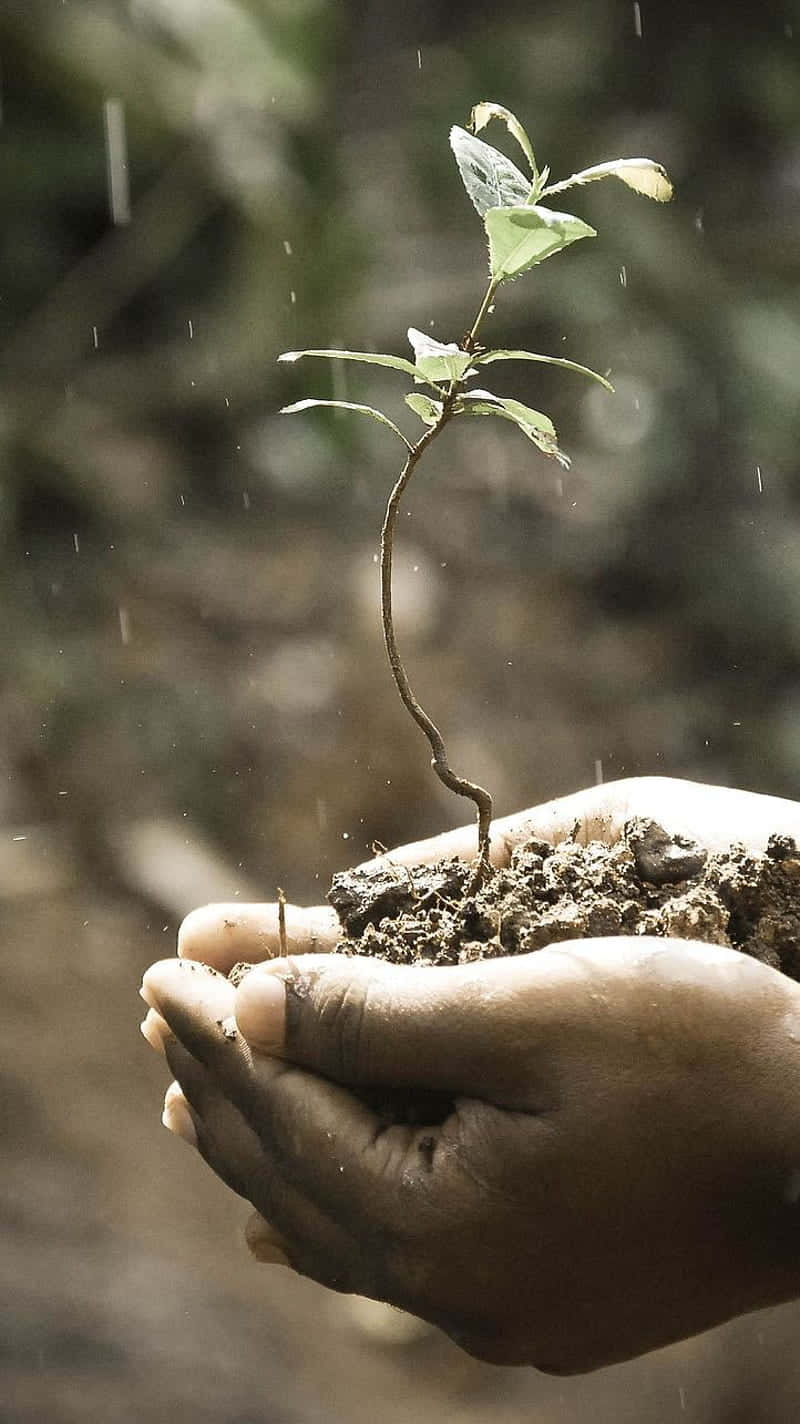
(149, 997)
(261, 1011)
(177, 1118)
(155, 1030)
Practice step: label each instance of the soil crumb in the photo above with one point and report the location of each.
(650, 882)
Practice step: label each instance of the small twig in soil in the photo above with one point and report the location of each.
(282, 923)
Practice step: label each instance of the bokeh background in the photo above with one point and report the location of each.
(193, 698)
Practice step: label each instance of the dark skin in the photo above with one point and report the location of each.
(618, 1165)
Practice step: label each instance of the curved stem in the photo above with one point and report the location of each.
(440, 763)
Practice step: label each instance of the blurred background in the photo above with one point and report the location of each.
(194, 703)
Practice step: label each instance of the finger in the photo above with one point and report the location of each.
(322, 1139)
(461, 1029)
(265, 1244)
(308, 1241)
(177, 1116)
(713, 815)
(222, 935)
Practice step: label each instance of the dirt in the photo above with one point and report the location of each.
(650, 882)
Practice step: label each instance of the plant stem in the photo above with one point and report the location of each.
(469, 341)
(440, 763)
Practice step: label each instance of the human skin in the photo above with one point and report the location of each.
(617, 1164)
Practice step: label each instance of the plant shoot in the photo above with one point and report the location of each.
(522, 231)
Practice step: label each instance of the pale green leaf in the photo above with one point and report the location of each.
(372, 358)
(438, 360)
(538, 427)
(347, 405)
(429, 411)
(519, 238)
(484, 112)
(487, 357)
(491, 179)
(643, 175)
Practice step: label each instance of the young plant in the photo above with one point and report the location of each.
(521, 232)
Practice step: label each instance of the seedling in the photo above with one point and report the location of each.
(521, 232)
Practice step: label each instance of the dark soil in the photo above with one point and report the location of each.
(650, 882)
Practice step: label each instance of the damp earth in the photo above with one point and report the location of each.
(650, 882)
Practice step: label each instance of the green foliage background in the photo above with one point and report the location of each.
(189, 598)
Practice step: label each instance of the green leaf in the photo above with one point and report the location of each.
(347, 405)
(519, 238)
(429, 411)
(484, 112)
(538, 427)
(643, 175)
(487, 357)
(372, 358)
(491, 179)
(438, 360)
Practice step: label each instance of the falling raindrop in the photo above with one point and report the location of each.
(190, 325)
(598, 771)
(623, 276)
(637, 19)
(758, 479)
(76, 544)
(287, 247)
(124, 625)
(119, 198)
(95, 340)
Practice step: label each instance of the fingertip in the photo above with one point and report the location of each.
(264, 1243)
(153, 982)
(177, 1116)
(202, 928)
(155, 1030)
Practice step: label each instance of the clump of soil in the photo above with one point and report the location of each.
(650, 882)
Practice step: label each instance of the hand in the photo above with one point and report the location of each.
(617, 1163)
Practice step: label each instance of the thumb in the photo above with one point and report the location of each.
(365, 1022)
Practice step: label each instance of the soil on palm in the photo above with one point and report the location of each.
(650, 882)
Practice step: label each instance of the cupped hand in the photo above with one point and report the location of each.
(605, 1154)
(617, 1164)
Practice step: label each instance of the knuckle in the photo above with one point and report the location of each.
(344, 1018)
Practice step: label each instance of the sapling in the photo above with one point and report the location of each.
(522, 231)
